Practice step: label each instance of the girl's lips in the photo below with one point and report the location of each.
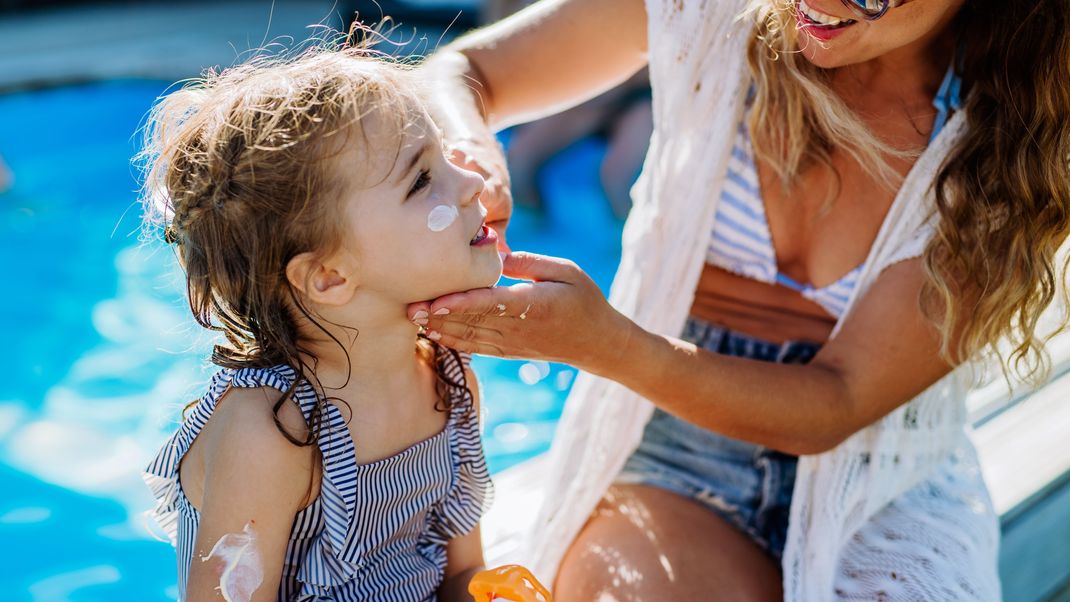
(486, 236)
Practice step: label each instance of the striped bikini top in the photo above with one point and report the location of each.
(741, 242)
(376, 531)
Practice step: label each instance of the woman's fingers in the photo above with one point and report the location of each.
(469, 338)
(466, 331)
(419, 312)
(516, 301)
(487, 158)
(502, 301)
(560, 316)
(539, 268)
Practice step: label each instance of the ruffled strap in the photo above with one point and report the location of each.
(162, 474)
(471, 492)
(330, 558)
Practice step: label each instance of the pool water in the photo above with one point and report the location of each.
(101, 352)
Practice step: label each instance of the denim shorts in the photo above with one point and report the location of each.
(748, 485)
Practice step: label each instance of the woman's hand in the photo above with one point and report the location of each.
(486, 157)
(560, 315)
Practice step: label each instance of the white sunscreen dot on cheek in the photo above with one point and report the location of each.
(441, 217)
(242, 571)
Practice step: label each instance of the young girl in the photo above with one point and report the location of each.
(336, 453)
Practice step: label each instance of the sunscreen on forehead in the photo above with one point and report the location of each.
(441, 217)
(242, 571)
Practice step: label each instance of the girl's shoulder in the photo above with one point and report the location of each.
(229, 442)
(247, 416)
(249, 426)
(255, 405)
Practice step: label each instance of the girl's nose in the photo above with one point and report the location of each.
(472, 187)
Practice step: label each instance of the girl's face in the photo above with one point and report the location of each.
(415, 226)
(831, 35)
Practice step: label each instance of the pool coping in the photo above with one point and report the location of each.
(57, 45)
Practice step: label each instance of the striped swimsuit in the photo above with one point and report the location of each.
(376, 531)
(741, 242)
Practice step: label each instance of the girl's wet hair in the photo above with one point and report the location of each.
(238, 175)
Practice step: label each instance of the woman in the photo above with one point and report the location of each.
(845, 206)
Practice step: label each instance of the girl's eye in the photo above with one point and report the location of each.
(421, 182)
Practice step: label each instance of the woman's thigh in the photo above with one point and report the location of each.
(647, 544)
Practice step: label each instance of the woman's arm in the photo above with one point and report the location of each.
(255, 481)
(547, 57)
(885, 354)
(551, 55)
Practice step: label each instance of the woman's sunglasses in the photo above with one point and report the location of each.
(868, 9)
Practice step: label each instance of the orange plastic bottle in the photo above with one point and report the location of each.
(511, 581)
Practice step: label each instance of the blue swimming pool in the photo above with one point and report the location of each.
(101, 353)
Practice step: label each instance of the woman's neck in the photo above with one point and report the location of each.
(914, 71)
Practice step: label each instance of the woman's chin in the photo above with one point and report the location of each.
(833, 54)
(824, 57)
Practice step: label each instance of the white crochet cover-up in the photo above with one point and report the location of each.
(898, 511)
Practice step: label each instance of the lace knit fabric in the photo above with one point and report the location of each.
(865, 514)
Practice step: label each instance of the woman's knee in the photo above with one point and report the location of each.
(611, 558)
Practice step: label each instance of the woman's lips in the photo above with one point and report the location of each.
(819, 30)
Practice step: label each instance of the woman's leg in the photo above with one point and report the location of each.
(646, 544)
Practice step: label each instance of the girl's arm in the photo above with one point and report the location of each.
(464, 555)
(255, 481)
(464, 558)
(885, 355)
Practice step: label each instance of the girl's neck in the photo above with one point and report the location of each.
(374, 354)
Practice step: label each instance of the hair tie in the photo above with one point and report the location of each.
(170, 234)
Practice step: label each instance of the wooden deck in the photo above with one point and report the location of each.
(1023, 439)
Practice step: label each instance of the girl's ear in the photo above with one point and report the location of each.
(320, 281)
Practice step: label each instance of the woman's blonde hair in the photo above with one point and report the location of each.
(1003, 193)
(238, 172)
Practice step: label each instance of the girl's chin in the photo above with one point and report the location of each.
(490, 277)
(479, 277)
(488, 269)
